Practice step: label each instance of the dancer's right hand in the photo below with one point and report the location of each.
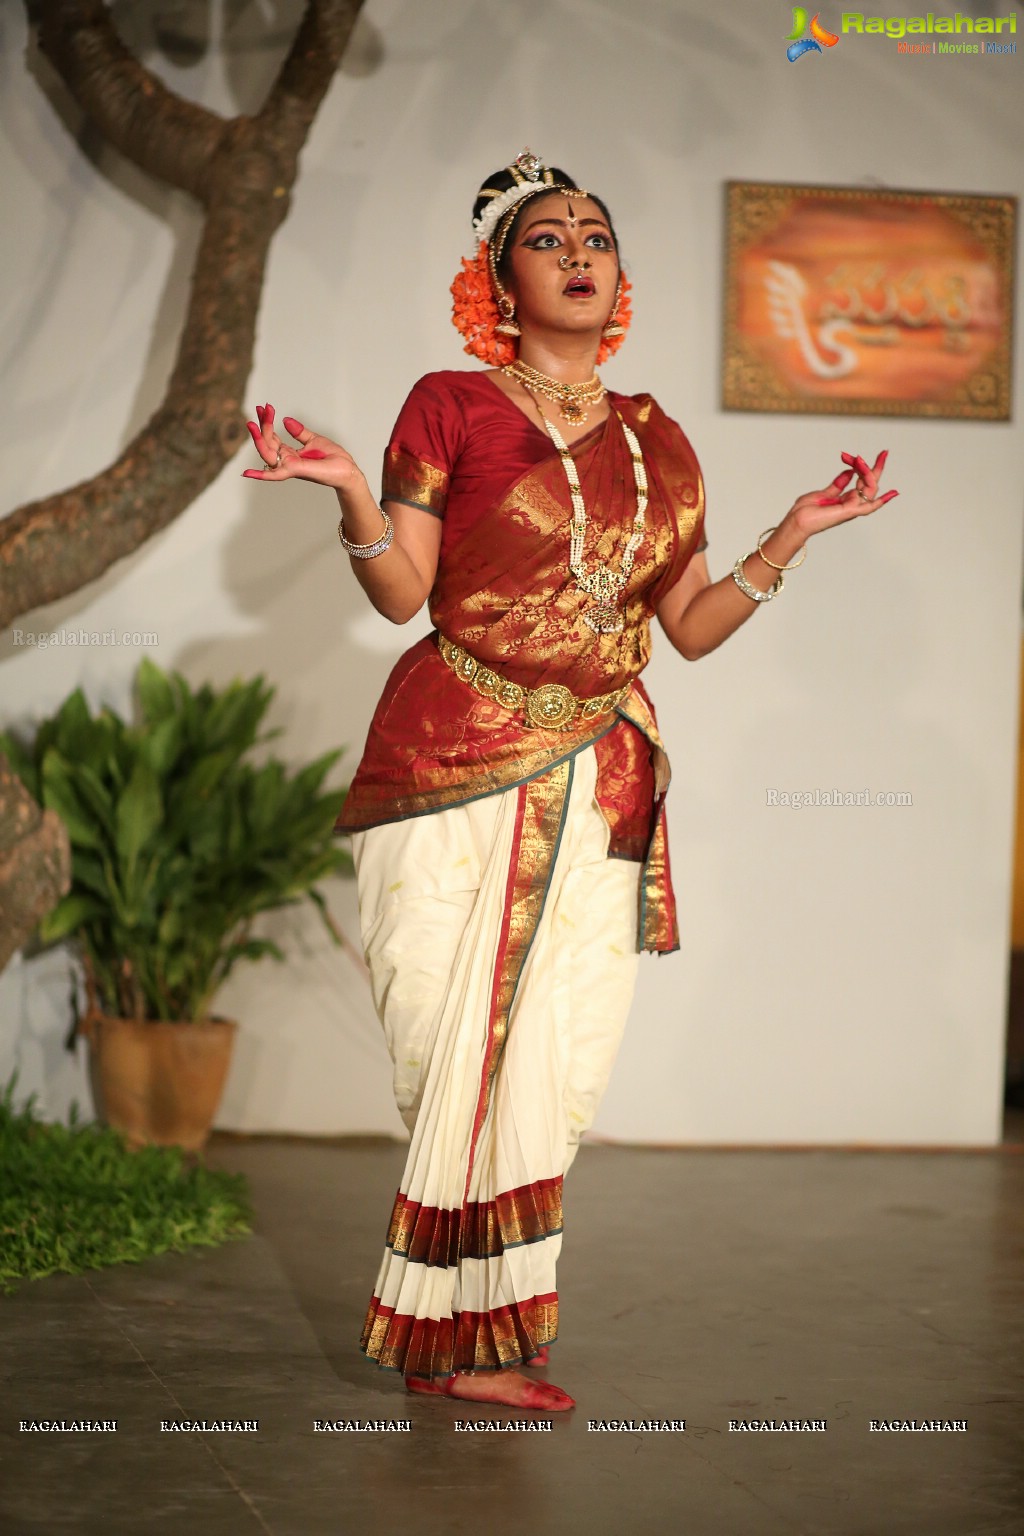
(319, 459)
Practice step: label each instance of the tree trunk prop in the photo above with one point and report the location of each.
(241, 170)
(35, 862)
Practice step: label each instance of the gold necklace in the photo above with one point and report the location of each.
(570, 398)
(603, 584)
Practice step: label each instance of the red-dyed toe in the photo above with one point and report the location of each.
(548, 1398)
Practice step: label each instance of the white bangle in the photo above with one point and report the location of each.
(368, 551)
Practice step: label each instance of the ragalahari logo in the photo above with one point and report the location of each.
(799, 44)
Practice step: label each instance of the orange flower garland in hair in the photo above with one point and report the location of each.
(475, 314)
(623, 313)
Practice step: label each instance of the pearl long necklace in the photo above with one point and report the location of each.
(603, 584)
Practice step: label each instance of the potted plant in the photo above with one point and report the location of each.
(179, 841)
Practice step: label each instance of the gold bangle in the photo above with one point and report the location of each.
(766, 560)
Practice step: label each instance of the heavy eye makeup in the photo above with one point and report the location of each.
(536, 242)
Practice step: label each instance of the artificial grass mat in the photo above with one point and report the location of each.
(75, 1197)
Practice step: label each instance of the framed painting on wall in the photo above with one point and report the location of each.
(868, 301)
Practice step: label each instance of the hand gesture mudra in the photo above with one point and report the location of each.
(317, 459)
(840, 501)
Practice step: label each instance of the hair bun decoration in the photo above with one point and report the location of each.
(506, 188)
(485, 225)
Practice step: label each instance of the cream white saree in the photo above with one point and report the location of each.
(502, 946)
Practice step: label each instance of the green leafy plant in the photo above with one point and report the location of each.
(75, 1197)
(179, 840)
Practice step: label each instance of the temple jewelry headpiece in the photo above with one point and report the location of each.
(529, 175)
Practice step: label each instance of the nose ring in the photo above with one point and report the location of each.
(565, 263)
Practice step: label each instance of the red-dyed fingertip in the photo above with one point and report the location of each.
(884, 454)
(259, 414)
(843, 478)
(268, 411)
(293, 425)
(847, 458)
(889, 495)
(251, 474)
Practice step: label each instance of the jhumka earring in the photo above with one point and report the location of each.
(507, 311)
(612, 326)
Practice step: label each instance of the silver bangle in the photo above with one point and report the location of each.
(747, 587)
(368, 551)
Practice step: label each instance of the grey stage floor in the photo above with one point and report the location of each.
(704, 1286)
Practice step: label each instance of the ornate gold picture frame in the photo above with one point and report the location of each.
(869, 302)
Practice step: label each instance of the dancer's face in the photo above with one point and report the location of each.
(553, 289)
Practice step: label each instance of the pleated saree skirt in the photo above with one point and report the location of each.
(502, 946)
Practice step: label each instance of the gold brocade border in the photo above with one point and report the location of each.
(502, 1337)
(658, 927)
(407, 478)
(637, 711)
(483, 1229)
(544, 803)
(485, 1341)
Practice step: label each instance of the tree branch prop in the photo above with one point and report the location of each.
(241, 170)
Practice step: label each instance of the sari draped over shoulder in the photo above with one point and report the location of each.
(463, 451)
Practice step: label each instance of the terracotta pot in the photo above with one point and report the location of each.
(158, 1083)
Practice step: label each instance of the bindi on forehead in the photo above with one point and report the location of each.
(573, 221)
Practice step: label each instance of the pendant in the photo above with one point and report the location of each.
(573, 413)
(603, 618)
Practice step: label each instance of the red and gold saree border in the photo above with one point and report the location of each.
(482, 1229)
(477, 1341)
(411, 480)
(541, 811)
(657, 920)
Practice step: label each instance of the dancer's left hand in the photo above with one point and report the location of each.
(840, 501)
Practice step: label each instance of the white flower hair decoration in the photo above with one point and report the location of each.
(531, 175)
(485, 225)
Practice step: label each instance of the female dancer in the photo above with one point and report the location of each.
(507, 817)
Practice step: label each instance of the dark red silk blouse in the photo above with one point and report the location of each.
(464, 452)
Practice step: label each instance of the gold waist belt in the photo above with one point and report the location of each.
(552, 705)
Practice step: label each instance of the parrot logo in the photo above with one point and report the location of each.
(799, 44)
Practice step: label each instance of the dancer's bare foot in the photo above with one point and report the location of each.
(540, 1358)
(508, 1387)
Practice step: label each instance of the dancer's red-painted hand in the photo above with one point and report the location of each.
(319, 458)
(840, 501)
